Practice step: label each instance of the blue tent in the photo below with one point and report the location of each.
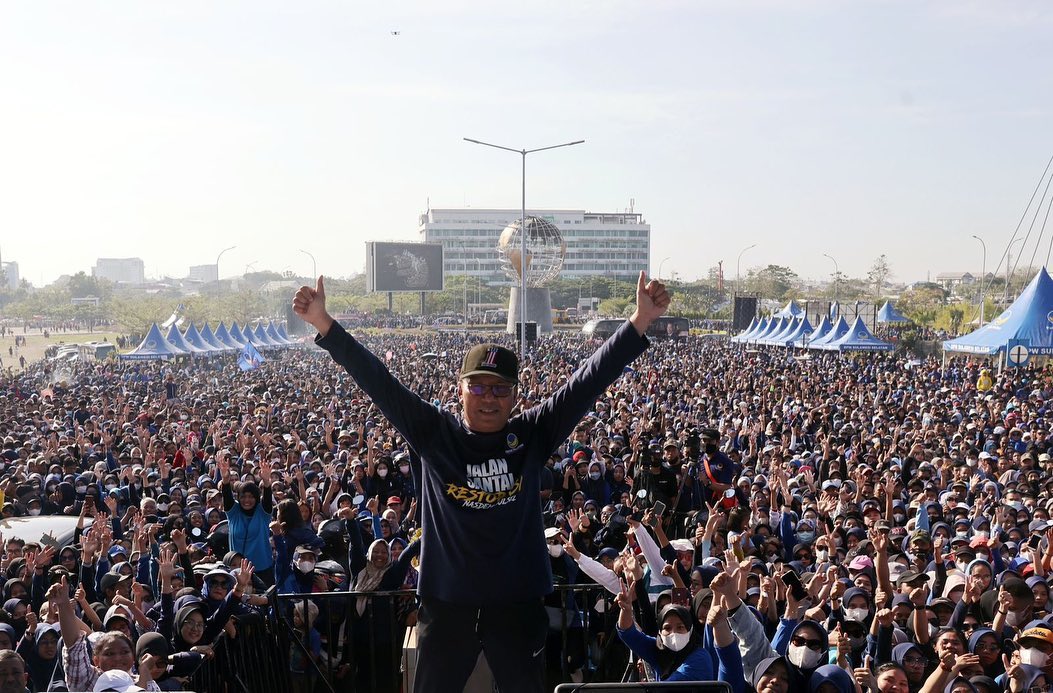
(175, 338)
(284, 334)
(740, 335)
(858, 338)
(1028, 322)
(194, 339)
(803, 329)
(210, 338)
(275, 337)
(263, 338)
(839, 330)
(889, 314)
(824, 326)
(791, 310)
(223, 337)
(762, 325)
(775, 325)
(779, 337)
(154, 346)
(236, 335)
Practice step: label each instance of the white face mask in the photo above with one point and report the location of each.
(34, 511)
(859, 615)
(305, 566)
(1033, 656)
(404, 468)
(1016, 618)
(675, 641)
(802, 657)
(555, 550)
(821, 555)
(382, 473)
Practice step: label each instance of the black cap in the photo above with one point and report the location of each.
(491, 359)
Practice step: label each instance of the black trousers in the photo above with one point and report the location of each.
(450, 636)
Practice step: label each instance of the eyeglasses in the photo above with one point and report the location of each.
(800, 641)
(194, 625)
(479, 389)
(987, 647)
(914, 661)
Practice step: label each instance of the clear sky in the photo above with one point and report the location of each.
(170, 131)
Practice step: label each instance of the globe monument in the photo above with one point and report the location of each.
(545, 250)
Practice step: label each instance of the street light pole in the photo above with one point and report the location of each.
(217, 265)
(523, 232)
(983, 277)
(1008, 268)
(660, 266)
(314, 265)
(738, 261)
(837, 275)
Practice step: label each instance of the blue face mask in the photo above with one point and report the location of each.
(595, 476)
(806, 537)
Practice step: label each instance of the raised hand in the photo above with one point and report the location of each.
(652, 301)
(309, 304)
(245, 576)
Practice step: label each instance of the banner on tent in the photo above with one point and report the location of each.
(1017, 352)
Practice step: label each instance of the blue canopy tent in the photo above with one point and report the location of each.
(740, 335)
(212, 340)
(762, 325)
(803, 329)
(1026, 322)
(888, 313)
(153, 347)
(175, 338)
(774, 325)
(263, 338)
(858, 338)
(236, 335)
(284, 334)
(194, 339)
(824, 326)
(275, 337)
(777, 338)
(839, 330)
(223, 337)
(791, 310)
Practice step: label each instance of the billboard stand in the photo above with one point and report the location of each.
(391, 301)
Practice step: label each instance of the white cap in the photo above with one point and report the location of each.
(116, 680)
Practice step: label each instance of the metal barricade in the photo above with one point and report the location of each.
(249, 662)
(364, 651)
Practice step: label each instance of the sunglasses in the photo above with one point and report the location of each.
(800, 641)
(498, 390)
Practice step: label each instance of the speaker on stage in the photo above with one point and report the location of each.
(744, 309)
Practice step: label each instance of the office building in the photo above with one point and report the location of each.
(204, 273)
(609, 244)
(11, 276)
(126, 270)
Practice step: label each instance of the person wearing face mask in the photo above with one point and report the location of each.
(715, 471)
(676, 654)
(1036, 646)
(293, 574)
(595, 485)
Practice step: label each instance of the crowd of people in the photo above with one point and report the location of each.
(835, 524)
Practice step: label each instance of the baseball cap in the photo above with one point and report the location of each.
(1041, 634)
(116, 680)
(491, 359)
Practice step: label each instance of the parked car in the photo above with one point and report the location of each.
(47, 530)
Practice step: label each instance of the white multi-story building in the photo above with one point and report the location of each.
(204, 273)
(120, 270)
(11, 274)
(609, 244)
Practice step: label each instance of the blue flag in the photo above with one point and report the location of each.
(250, 359)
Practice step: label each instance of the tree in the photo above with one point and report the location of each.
(879, 274)
(773, 281)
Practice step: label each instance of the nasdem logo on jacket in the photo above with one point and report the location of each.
(489, 485)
